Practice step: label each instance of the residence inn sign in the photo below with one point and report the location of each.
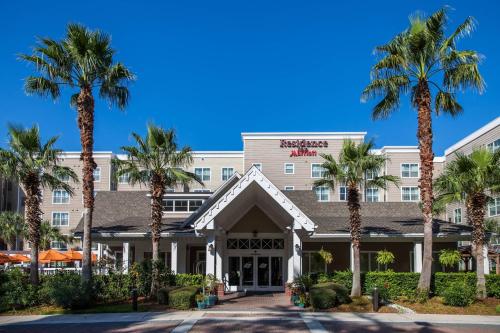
(302, 146)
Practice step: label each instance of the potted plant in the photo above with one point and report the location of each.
(200, 301)
(302, 300)
(211, 284)
(294, 293)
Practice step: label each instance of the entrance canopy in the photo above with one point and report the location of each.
(252, 189)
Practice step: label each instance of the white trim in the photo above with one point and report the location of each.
(439, 159)
(418, 193)
(253, 175)
(319, 164)
(288, 188)
(203, 171)
(59, 212)
(474, 135)
(61, 203)
(100, 174)
(259, 164)
(217, 154)
(399, 149)
(76, 154)
(293, 168)
(222, 172)
(303, 135)
(409, 163)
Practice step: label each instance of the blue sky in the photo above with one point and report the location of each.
(214, 69)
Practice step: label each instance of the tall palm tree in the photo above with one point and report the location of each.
(156, 162)
(49, 234)
(11, 229)
(82, 61)
(427, 64)
(34, 165)
(471, 179)
(355, 160)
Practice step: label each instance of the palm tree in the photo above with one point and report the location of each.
(425, 63)
(355, 160)
(49, 234)
(11, 229)
(470, 179)
(156, 162)
(84, 61)
(33, 164)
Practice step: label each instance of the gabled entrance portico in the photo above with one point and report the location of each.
(253, 235)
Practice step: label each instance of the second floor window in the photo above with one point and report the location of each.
(57, 245)
(457, 215)
(322, 193)
(372, 195)
(371, 174)
(289, 168)
(410, 193)
(317, 171)
(409, 170)
(60, 219)
(343, 193)
(227, 173)
(60, 197)
(63, 178)
(494, 146)
(123, 179)
(289, 188)
(494, 207)
(203, 174)
(181, 205)
(97, 174)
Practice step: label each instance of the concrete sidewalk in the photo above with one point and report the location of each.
(193, 316)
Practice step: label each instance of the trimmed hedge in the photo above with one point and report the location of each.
(443, 280)
(493, 285)
(342, 293)
(185, 280)
(182, 298)
(395, 284)
(112, 287)
(322, 298)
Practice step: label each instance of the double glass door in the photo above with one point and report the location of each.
(255, 272)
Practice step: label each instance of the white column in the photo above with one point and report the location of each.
(289, 247)
(181, 256)
(297, 255)
(351, 257)
(417, 257)
(100, 251)
(173, 257)
(126, 256)
(485, 259)
(219, 255)
(210, 266)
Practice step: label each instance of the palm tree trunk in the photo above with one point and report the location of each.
(355, 226)
(85, 106)
(157, 193)
(424, 135)
(478, 204)
(33, 220)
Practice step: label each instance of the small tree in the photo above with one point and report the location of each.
(385, 257)
(327, 256)
(449, 258)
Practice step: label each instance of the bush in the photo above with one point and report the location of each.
(114, 287)
(459, 294)
(65, 289)
(163, 294)
(493, 285)
(16, 292)
(185, 280)
(322, 298)
(344, 278)
(443, 280)
(182, 298)
(342, 293)
(393, 284)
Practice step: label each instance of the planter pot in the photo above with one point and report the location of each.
(212, 300)
(201, 305)
(302, 305)
(294, 299)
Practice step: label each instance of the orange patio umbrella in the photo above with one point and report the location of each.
(19, 258)
(52, 256)
(4, 259)
(75, 255)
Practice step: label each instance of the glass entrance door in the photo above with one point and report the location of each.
(255, 272)
(263, 271)
(247, 271)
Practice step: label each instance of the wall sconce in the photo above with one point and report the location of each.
(255, 233)
(211, 248)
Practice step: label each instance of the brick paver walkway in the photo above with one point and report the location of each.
(261, 302)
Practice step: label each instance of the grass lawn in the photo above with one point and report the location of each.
(435, 305)
(361, 304)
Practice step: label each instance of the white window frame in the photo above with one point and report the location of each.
(340, 192)
(203, 173)
(222, 173)
(289, 188)
(319, 197)
(372, 196)
(122, 177)
(418, 194)
(60, 225)
(65, 179)
(493, 146)
(258, 166)
(321, 171)
(373, 173)
(59, 247)
(60, 203)
(495, 202)
(188, 211)
(93, 174)
(202, 190)
(409, 171)
(287, 164)
(310, 254)
(455, 215)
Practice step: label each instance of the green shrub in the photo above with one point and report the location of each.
(392, 283)
(114, 287)
(344, 278)
(65, 289)
(185, 280)
(443, 280)
(182, 298)
(342, 293)
(322, 298)
(459, 294)
(493, 285)
(163, 294)
(16, 292)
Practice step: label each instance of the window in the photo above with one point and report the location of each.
(58, 245)
(410, 193)
(494, 207)
(343, 193)
(202, 190)
(312, 263)
(60, 197)
(203, 174)
(317, 171)
(289, 188)
(181, 205)
(289, 168)
(457, 215)
(60, 219)
(372, 195)
(63, 178)
(258, 166)
(97, 174)
(322, 193)
(368, 262)
(409, 170)
(123, 179)
(255, 244)
(227, 173)
(494, 146)
(371, 174)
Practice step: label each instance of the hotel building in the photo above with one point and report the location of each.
(258, 221)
